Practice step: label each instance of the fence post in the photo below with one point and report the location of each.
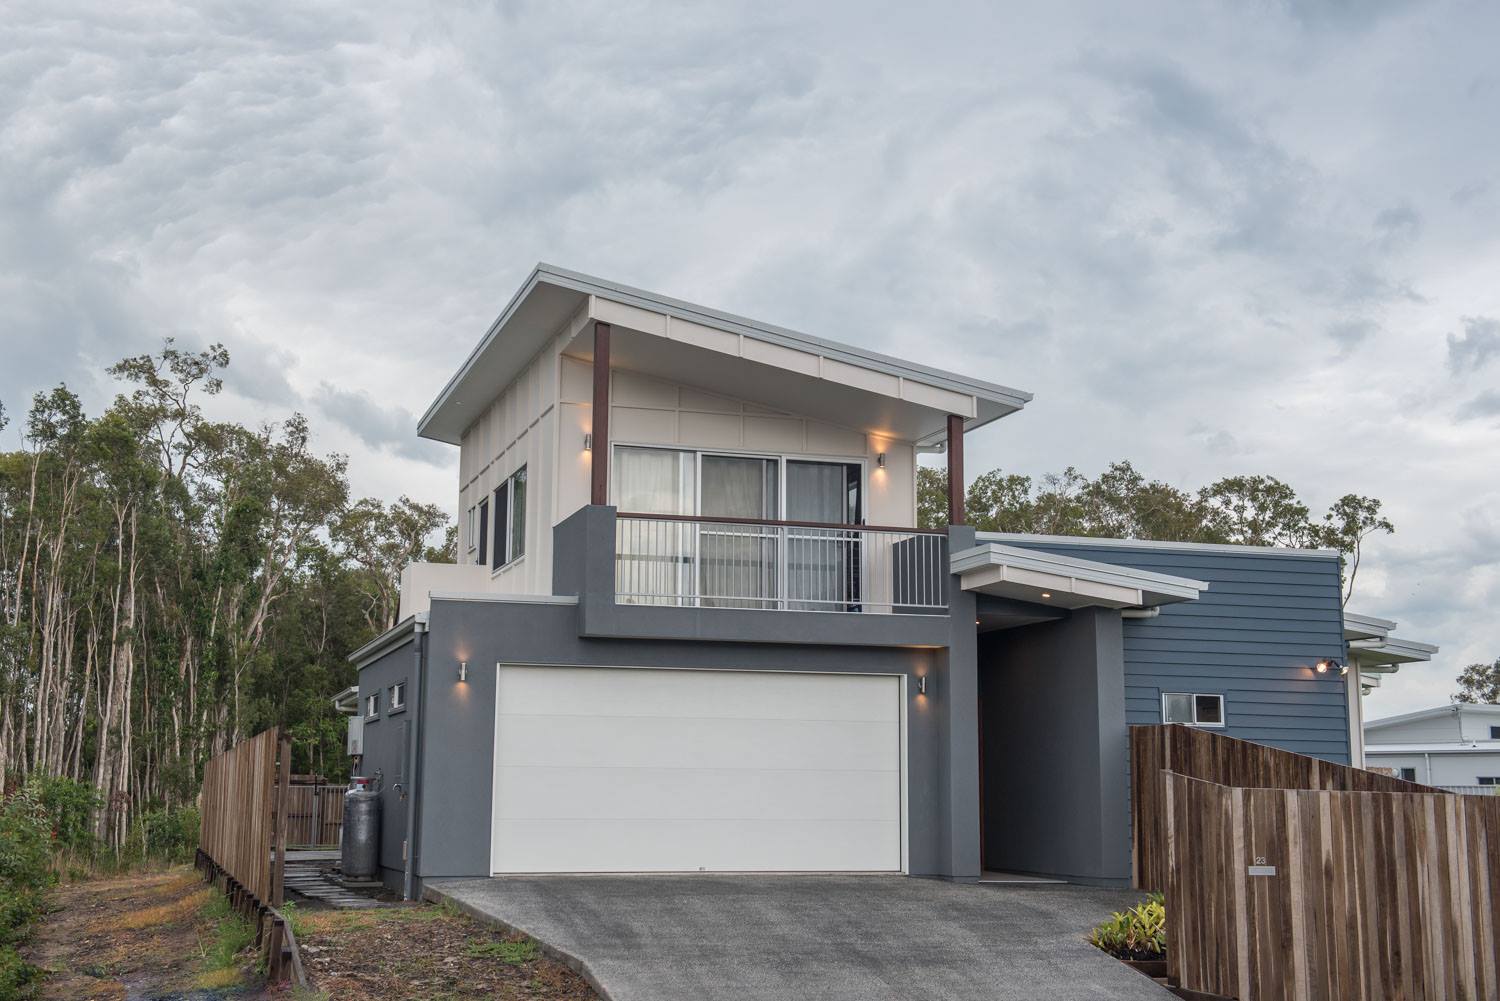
(279, 800)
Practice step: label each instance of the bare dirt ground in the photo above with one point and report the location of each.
(426, 952)
(166, 936)
(140, 937)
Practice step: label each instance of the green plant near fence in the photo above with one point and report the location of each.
(1138, 933)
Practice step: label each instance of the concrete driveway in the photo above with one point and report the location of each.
(830, 938)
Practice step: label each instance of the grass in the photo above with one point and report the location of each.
(515, 953)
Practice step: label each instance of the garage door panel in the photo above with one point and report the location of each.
(704, 743)
(690, 846)
(609, 793)
(584, 691)
(623, 770)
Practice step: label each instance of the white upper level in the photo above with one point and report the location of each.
(710, 415)
(1456, 724)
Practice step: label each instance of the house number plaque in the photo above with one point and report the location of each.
(1260, 868)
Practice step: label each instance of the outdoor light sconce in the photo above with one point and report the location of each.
(880, 460)
(588, 441)
(463, 670)
(1324, 666)
(922, 685)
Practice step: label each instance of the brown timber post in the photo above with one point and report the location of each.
(599, 449)
(281, 800)
(955, 469)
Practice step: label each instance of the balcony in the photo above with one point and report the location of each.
(701, 562)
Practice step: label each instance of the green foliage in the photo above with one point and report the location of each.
(1120, 503)
(1480, 683)
(69, 806)
(1139, 933)
(170, 834)
(25, 874)
(232, 935)
(515, 953)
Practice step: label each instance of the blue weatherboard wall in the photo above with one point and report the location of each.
(1253, 636)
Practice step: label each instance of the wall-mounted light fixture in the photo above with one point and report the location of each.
(1343, 670)
(1324, 666)
(463, 670)
(588, 441)
(922, 685)
(880, 460)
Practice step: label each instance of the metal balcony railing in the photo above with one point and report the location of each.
(779, 565)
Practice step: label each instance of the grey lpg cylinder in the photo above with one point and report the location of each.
(361, 848)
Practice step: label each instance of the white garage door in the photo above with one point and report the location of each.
(640, 770)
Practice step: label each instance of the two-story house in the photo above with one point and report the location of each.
(1454, 746)
(695, 627)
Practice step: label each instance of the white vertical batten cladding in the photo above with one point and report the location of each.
(678, 770)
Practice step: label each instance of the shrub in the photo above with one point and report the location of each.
(70, 806)
(1139, 933)
(25, 873)
(170, 834)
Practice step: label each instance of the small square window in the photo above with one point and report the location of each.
(1192, 709)
(1409, 774)
(372, 705)
(1495, 733)
(398, 696)
(1177, 708)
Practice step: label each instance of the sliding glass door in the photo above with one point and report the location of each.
(739, 564)
(735, 553)
(823, 564)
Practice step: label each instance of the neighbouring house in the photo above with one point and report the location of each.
(1455, 746)
(1374, 651)
(695, 627)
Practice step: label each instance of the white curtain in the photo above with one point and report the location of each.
(655, 561)
(820, 562)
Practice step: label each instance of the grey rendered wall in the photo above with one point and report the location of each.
(385, 751)
(1055, 748)
(458, 746)
(1253, 636)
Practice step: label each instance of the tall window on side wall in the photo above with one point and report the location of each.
(484, 530)
(510, 520)
(1192, 708)
(471, 530)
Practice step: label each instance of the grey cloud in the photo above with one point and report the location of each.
(381, 426)
(1397, 225)
(1479, 343)
(1350, 334)
(1486, 404)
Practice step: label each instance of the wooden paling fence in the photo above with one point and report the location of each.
(242, 839)
(1213, 757)
(315, 814)
(1318, 889)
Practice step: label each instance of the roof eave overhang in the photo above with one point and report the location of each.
(1010, 572)
(441, 422)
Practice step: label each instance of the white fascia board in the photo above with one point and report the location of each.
(1358, 626)
(1152, 588)
(1007, 398)
(346, 702)
(1391, 650)
(392, 637)
(1198, 547)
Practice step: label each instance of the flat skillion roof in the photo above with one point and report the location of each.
(551, 296)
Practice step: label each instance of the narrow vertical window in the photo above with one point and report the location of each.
(484, 530)
(502, 524)
(518, 514)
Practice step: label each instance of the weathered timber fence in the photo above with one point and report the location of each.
(1315, 895)
(242, 840)
(1213, 757)
(315, 814)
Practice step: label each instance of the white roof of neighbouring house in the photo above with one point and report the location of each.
(716, 351)
(1452, 709)
(1065, 581)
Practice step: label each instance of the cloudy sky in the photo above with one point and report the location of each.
(1211, 237)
